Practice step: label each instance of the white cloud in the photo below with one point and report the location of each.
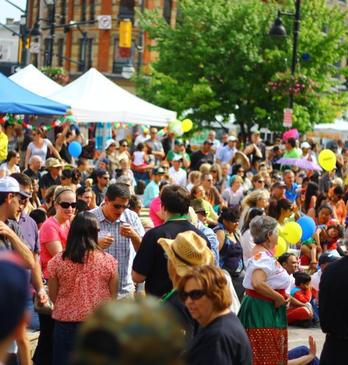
(9, 11)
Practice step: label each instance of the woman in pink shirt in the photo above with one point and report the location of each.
(52, 236)
(80, 279)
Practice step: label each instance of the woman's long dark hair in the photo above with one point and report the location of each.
(276, 206)
(252, 213)
(312, 189)
(82, 237)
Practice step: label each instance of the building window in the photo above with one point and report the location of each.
(91, 9)
(83, 10)
(60, 52)
(167, 10)
(126, 10)
(89, 53)
(62, 11)
(119, 61)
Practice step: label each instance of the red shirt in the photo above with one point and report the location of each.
(81, 287)
(50, 231)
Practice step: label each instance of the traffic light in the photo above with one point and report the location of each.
(125, 38)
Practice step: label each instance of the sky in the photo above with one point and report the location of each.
(9, 11)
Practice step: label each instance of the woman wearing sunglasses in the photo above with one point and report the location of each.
(53, 236)
(220, 339)
(80, 279)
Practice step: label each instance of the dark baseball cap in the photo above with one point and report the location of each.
(208, 142)
(179, 142)
(158, 171)
(101, 172)
(327, 258)
(278, 184)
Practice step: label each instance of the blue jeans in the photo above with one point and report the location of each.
(34, 320)
(301, 351)
(63, 341)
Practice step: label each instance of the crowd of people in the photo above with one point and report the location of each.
(194, 230)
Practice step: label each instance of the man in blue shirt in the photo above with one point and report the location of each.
(226, 154)
(152, 189)
(292, 190)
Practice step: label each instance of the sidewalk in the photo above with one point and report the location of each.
(299, 336)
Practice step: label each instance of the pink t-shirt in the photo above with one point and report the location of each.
(155, 207)
(50, 231)
(81, 287)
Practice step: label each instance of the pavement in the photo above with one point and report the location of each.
(299, 337)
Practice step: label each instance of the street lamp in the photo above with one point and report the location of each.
(83, 62)
(278, 30)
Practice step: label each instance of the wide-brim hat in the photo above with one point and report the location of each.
(242, 159)
(53, 162)
(186, 251)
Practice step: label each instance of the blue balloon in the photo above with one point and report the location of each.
(308, 227)
(75, 149)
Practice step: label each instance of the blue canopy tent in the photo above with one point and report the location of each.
(15, 99)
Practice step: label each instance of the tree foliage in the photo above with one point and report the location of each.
(220, 60)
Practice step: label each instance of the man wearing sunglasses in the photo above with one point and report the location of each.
(102, 179)
(124, 233)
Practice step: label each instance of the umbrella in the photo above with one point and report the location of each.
(302, 163)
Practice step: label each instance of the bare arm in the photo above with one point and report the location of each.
(220, 234)
(36, 280)
(258, 281)
(53, 288)
(54, 247)
(138, 278)
(27, 157)
(54, 151)
(113, 285)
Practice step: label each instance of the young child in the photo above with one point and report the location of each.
(140, 158)
(330, 236)
(301, 315)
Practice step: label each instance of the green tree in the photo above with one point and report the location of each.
(220, 60)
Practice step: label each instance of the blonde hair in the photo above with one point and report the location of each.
(252, 198)
(61, 190)
(194, 175)
(205, 168)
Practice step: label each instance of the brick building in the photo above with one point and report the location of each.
(96, 39)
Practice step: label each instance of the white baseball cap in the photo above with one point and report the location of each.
(110, 142)
(232, 139)
(305, 145)
(10, 185)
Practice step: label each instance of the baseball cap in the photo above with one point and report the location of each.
(278, 184)
(158, 171)
(177, 157)
(327, 258)
(13, 293)
(208, 142)
(232, 139)
(10, 185)
(53, 162)
(110, 142)
(197, 205)
(305, 145)
(101, 172)
(139, 332)
(179, 142)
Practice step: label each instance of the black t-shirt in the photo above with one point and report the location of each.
(150, 260)
(223, 342)
(46, 181)
(198, 158)
(188, 324)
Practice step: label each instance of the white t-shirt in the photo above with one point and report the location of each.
(277, 277)
(4, 167)
(42, 152)
(315, 281)
(139, 158)
(179, 177)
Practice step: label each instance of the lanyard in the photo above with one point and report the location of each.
(168, 296)
(177, 217)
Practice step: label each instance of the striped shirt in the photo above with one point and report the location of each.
(122, 248)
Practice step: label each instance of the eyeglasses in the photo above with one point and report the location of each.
(120, 206)
(193, 294)
(124, 145)
(260, 181)
(66, 205)
(209, 180)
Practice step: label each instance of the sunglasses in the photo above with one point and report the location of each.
(124, 145)
(66, 205)
(120, 206)
(193, 294)
(260, 181)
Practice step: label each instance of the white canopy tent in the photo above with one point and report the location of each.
(35, 81)
(336, 130)
(94, 98)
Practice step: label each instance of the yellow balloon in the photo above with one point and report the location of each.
(292, 232)
(327, 160)
(281, 247)
(187, 125)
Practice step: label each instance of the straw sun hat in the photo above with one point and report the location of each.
(186, 251)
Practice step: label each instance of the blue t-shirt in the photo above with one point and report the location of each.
(292, 193)
(151, 192)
